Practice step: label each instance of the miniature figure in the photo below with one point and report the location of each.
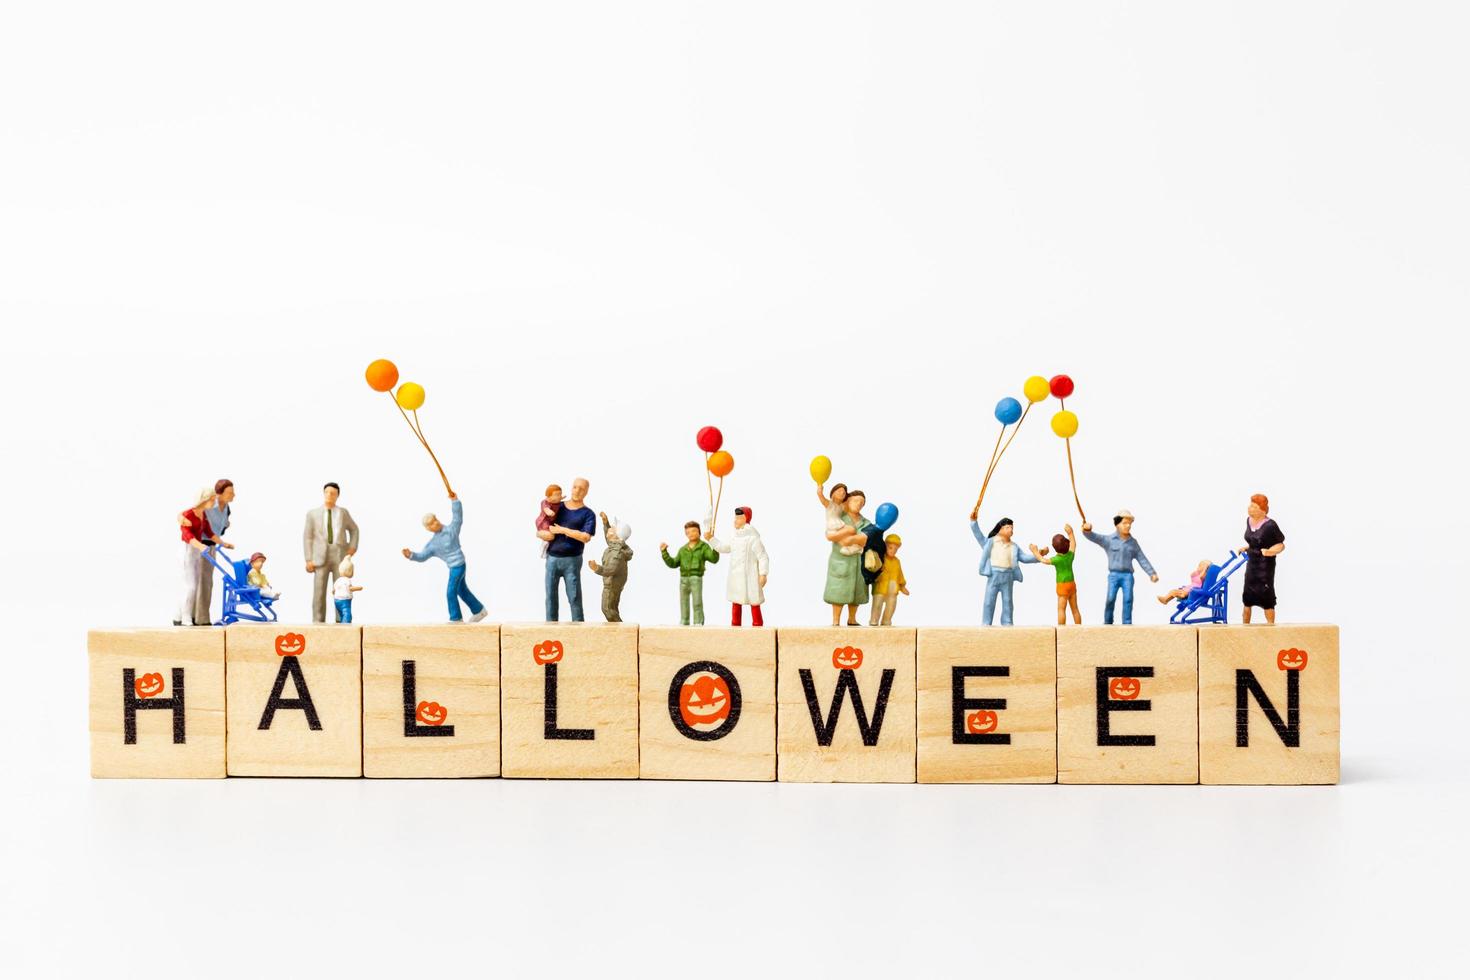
(195, 532)
(444, 545)
(330, 536)
(342, 590)
(889, 584)
(257, 580)
(749, 566)
(1123, 549)
(614, 565)
(1065, 548)
(217, 522)
(1263, 542)
(546, 516)
(1000, 562)
(1196, 587)
(845, 583)
(690, 563)
(573, 527)
(838, 530)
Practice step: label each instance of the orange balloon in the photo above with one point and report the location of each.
(721, 463)
(382, 375)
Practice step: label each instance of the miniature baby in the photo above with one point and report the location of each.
(546, 516)
(1065, 547)
(257, 577)
(342, 590)
(1196, 586)
(614, 566)
(852, 541)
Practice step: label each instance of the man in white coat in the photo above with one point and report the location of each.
(330, 535)
(748, 567)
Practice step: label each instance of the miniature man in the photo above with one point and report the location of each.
(1000, 562)
(690, 563)
(749, 566)
(330, 536)
(444, 545)
(614, 566)
(1123, 549)
(574, 526)
(889, 584)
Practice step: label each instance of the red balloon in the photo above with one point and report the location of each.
(1062, 387)
(710, 439)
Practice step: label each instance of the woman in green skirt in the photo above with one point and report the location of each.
(845, 584)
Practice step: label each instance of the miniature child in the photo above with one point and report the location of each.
(690, 563)
(257, 577)
(1196, 588)
(1065, 547)
(851, 540)
(547, 516)
(614, 566)
(889, 584)
(342, 590)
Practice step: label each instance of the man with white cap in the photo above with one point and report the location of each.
(1123, 549)
(614, 566)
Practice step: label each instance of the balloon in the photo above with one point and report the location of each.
(1062, 387)
(382, 375)
(410, 396)
(1007, 411)
(821, 469)
(886, 517)
(709, 439)
(721, 463)
(1036, 389)
(1064, 424)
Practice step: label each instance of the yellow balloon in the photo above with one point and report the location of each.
(410, 396)
(1064, 424)
(821, 469)
(1036, 389)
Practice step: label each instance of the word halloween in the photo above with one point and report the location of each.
(1221, 704)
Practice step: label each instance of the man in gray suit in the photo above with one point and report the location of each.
(330, 534)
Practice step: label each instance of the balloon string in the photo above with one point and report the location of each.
(990, 468)
(1073, 475)
(707, 485)
(418, 432)
(718, 498)
(996, 457)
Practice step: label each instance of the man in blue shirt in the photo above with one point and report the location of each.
(444, 545)
(1122, 549)
(574, 526)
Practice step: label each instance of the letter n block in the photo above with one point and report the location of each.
(295, 700)
(988, 705)
(569, 701)
(707, 703)
(157, 703)
(431, 700)
(1268, 704)
(1127, 702)
(845, 705)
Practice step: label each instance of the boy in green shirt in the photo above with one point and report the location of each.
(1066, 550)
(690, 563)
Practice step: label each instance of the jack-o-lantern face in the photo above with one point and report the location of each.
(148, 685)
(1292, 659)
(547, 653)
(981, 722)
(290, 645)
(847, 658)
(704, 701)
(1123, 688)
(432, 713)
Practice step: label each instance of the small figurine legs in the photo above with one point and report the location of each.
(1000, 583)
(344, 610)
(457, 590)
(567, 569)
(884, 606)
(612, 594)
(1119, 582)
(755, 614)
(691, 595)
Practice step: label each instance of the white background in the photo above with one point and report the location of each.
(839, 228)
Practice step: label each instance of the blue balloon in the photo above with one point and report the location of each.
(1007, 411)
(886, 517)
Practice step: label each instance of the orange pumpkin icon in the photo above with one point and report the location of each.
(432, 713)
(148, 685)
(547, 653)
(1292, 659)
(704, 701)
(981, 722)
(1124, 688)
(290, 645)
(847, 658)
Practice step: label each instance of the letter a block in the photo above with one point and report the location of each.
(295, 700)
(157, 703)
(431, 700)
(1268, 704)
(1127, 701)
(707, 703)
(569, 701)
(988, 705)
(845, 705)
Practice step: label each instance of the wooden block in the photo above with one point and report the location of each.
(157, 703)
(431, 700)
(295, 700)
(1268, 704)
(1127, 698)
(845, 705)
(707, 703)
(569, 700)
(987, 705)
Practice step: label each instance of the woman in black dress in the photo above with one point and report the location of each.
(1263, 542)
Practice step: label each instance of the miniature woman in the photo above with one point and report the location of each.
(1065, 546)
(845, 583)
(1263, 542)
(1000, 563)
(614, 566)
(195, 532)
(852, 541)
(745, 585)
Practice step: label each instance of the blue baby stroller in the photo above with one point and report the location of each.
(1212, 598)
(242, 600)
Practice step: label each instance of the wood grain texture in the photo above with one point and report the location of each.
(454, 666)
(748, 750)
(199, 653)
(1264, 650)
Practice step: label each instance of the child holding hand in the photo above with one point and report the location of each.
(1066, 552)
